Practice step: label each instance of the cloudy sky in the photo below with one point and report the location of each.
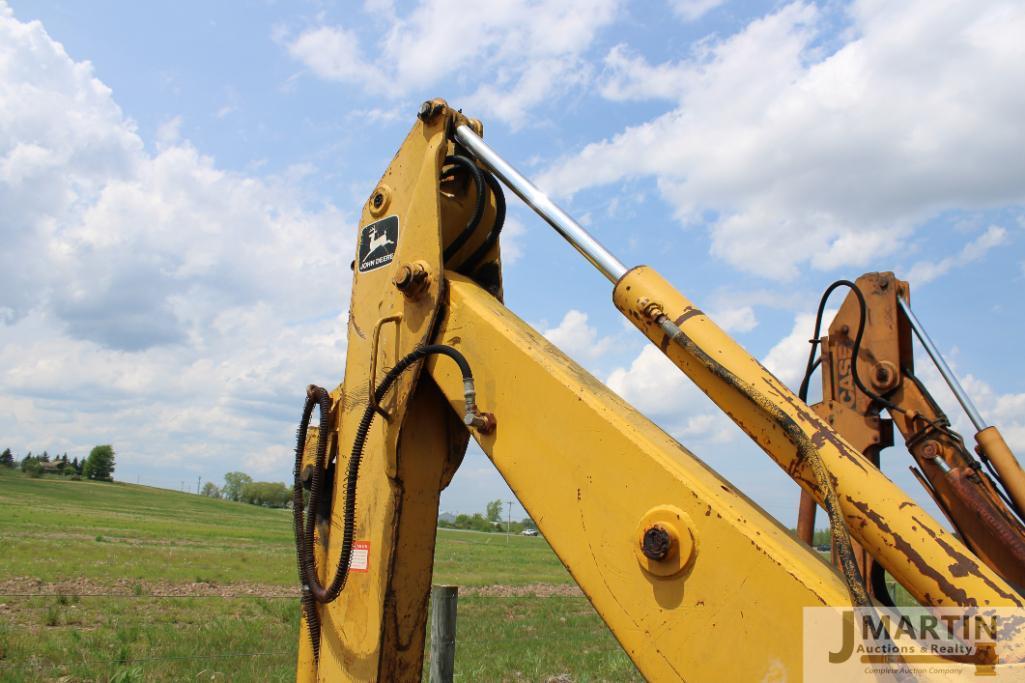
(173, 178)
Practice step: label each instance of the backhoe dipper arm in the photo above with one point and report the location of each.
(886, 380)
(676, 561)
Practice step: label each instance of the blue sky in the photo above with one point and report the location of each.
(172, 177)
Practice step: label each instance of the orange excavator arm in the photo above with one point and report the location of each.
(868, 372)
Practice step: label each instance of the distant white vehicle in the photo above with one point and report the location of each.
(529, 532)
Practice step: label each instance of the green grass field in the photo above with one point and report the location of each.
(205, 591)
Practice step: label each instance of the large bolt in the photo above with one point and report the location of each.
(482, 422)
(885, 375)
(411, 278)
(656, 543)
(403, 278)
(931, 449)
(429, 109)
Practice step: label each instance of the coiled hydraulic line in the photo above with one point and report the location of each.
(478, 208)
(313, 591)
(481, 178)
(471, 263)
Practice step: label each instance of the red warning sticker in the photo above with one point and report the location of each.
(359, 561)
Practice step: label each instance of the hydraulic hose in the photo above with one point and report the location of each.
(471, 263)
(313, 590)
(815, 341)
(478, 210)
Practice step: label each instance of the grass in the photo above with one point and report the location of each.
(142, 542)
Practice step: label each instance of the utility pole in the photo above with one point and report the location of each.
(508, 524)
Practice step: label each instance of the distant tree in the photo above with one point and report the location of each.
(75, 465)
(210, 490)
(28, 461)
(494, 511)
(45, 457)
(821, 538)
(233, 485)
(100, 463)
(7, 458)
(32, 468)
(265, 493)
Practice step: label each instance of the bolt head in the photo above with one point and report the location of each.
(428, 110)
(378, 200)
(656, 543)
(403, 277)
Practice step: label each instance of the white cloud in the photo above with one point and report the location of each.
(513, 233)
(531, 49)
(169, 132)
(333, 53)
(692, 10)
(827, 158)
(1006, 411)
(735, 319)
(660, 390)
(788, 358)
(628, 76)
(153, 301)
(576, 338)
(926, 271)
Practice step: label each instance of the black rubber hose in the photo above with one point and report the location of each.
(315, 396)
(471, 263)
(478, 210)
(313, 590)
(815, 341)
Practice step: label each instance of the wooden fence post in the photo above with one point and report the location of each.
(443, 632)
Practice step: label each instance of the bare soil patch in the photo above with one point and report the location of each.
(27, 585)
(530, 590)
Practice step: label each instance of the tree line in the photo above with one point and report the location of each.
(240, 487)
(98, 465)
(490, 520)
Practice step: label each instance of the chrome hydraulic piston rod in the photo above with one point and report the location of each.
(991, 442)
(941, 365)
(573, 232)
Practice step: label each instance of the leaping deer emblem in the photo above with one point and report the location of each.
(377, 240)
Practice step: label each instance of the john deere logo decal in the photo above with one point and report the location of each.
(377, 243)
